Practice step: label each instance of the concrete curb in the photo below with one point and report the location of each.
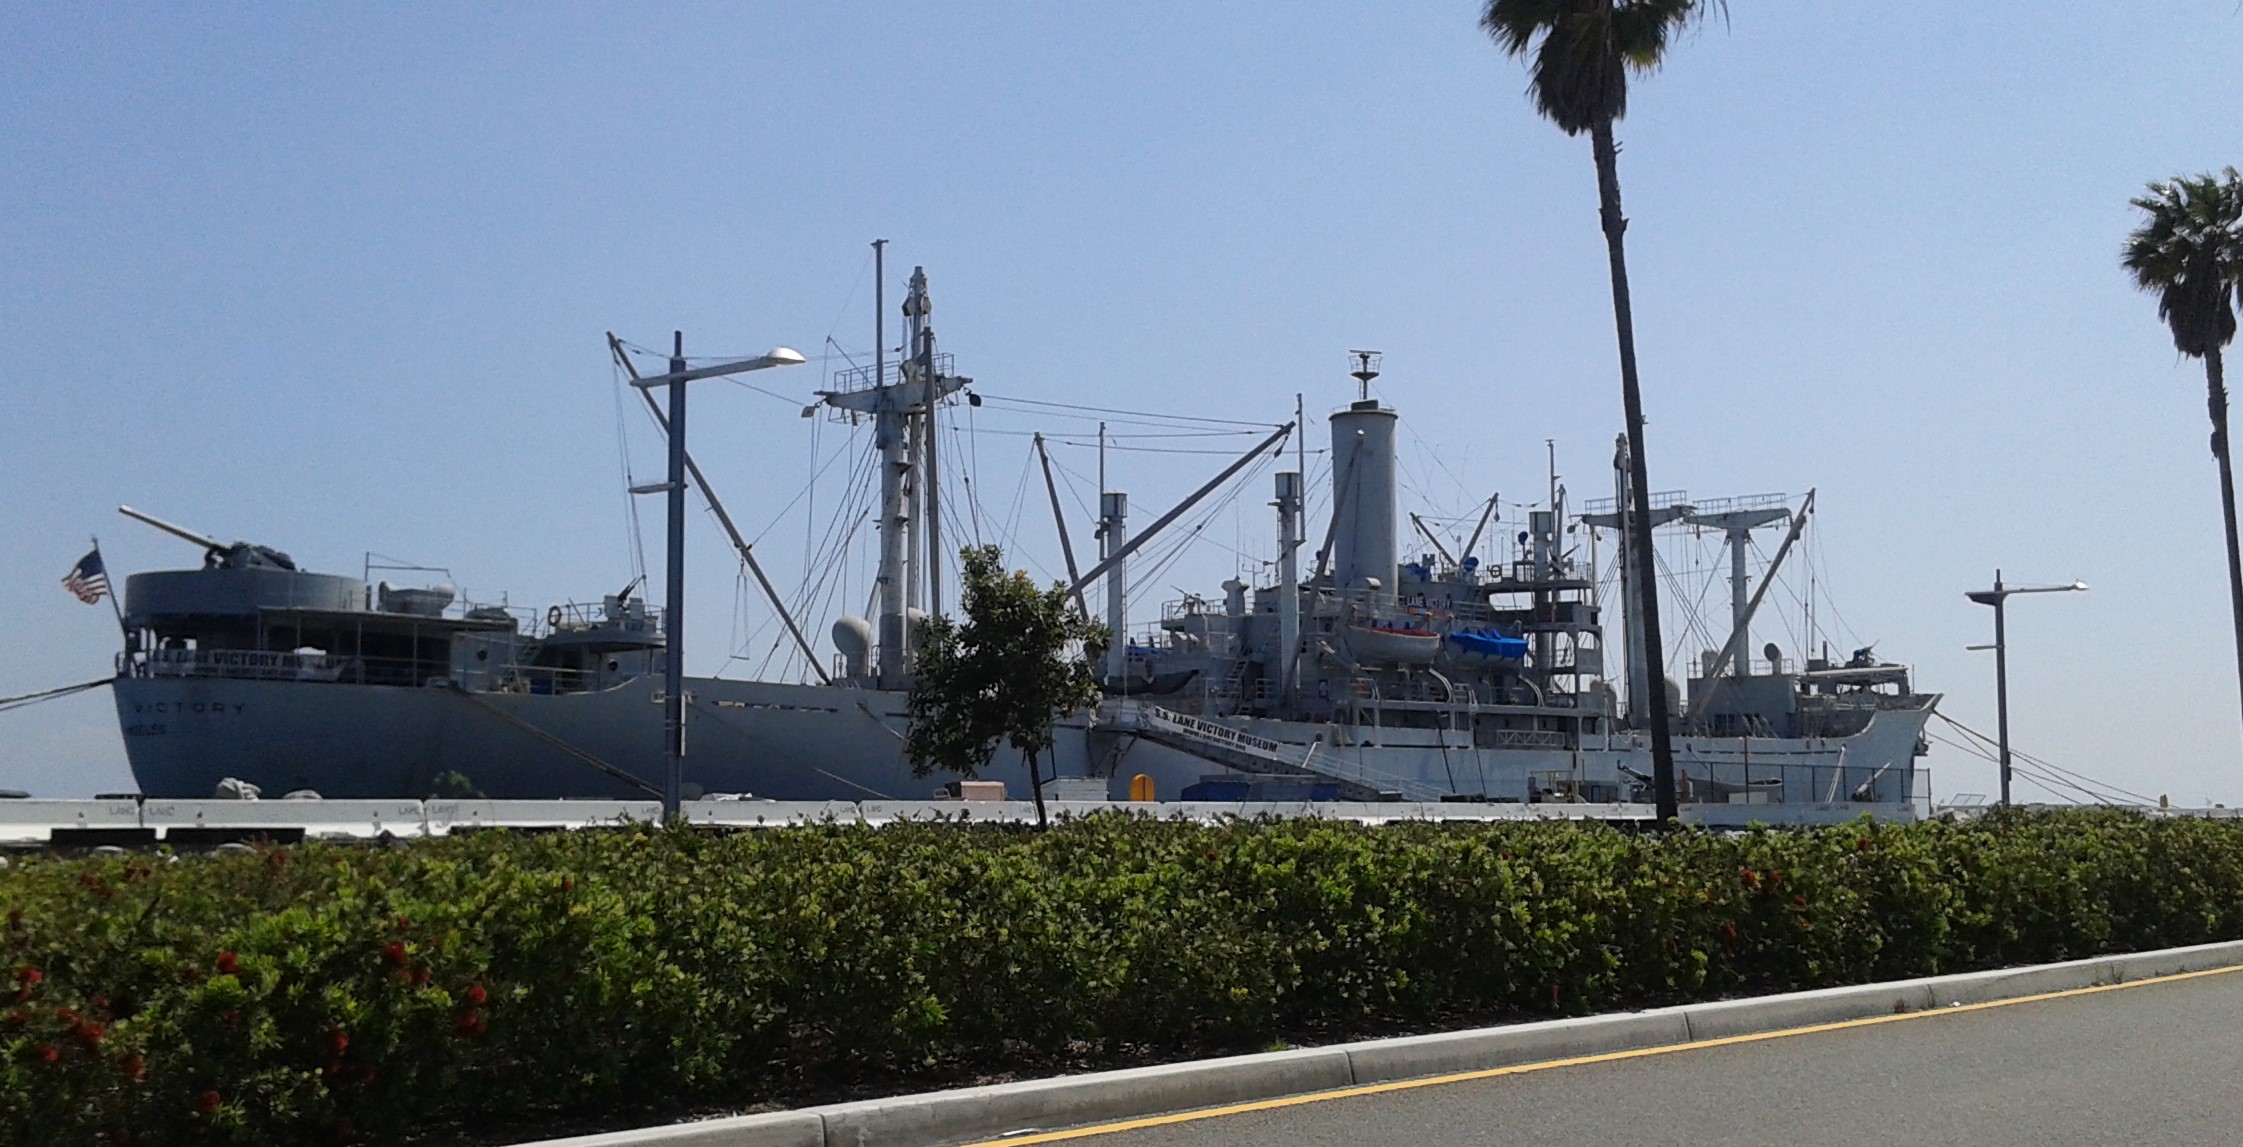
(936, 1118)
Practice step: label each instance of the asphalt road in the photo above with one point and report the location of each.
(2155, 1064)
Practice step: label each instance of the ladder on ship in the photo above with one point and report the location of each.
(1246, 752)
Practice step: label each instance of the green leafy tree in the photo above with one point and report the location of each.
(1009, 672)
(2189, 252)
(1580, 54)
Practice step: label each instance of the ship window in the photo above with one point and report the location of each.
(482, 655)
(611, 665)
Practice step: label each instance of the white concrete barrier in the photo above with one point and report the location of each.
(36, 820)
(765, 814)
(445, 816)
(350, 819)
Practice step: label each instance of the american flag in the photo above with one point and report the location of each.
(88, 579)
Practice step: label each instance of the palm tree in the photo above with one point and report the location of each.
(2189, 251)
(1581, 54)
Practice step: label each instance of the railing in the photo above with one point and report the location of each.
(636, 618)
(1759, 668)
(1736, 781)
(1216, 731)
(275, 665)
(1532, 739)
(1741, 502)
(1660, 500)
(271, 665)
(863, 377)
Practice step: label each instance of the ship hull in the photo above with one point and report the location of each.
(184, 736)
(780, 741)
(1872, 770)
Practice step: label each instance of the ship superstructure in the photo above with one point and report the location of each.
(1438, 676)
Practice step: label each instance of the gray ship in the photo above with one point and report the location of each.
(1356, 672)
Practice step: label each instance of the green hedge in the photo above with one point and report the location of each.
(324, 993)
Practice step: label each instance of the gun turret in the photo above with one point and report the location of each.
(217, 554)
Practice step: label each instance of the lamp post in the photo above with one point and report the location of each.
(673, 609)
(1996, 597)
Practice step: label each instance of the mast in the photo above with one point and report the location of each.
(1737, 525)
(923, 348)
(1734, 648)
(914, 497)
(1288, 583)
(894, 407)
(1113, 525)
(888, 434)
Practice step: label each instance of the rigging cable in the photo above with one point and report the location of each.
(28, 699)
(637, 540)
(1165, 418)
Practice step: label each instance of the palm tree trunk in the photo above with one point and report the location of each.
(1639, 517)
(1036, 786)
(2215, 384)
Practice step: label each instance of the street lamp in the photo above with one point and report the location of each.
(673, 610)
(1995, 597)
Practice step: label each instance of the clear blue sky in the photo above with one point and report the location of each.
(334, 278)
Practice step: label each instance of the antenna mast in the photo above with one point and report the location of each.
(1366, 368)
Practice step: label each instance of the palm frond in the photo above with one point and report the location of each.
(1581, 51)
(2188, 251)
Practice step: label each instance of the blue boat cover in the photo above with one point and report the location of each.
(1489, 643)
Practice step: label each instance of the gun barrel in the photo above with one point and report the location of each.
(208, 543)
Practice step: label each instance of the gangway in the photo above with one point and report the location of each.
(1245, 752)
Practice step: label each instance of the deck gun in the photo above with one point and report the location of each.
(217, 554)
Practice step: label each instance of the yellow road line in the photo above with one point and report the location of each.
(1573, 1061)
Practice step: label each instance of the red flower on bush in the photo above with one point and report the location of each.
(208, 1102)
(393, 954)
(19, 1017)
(48, 1053)
(404, 923)
(27, 978)
(338, 1041)
(90, 1034)
(227, 965)
(470, 1025)
(476, 996)
(135, 1068)
(1729, 932)
(1800, 901)
(1751, 878)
